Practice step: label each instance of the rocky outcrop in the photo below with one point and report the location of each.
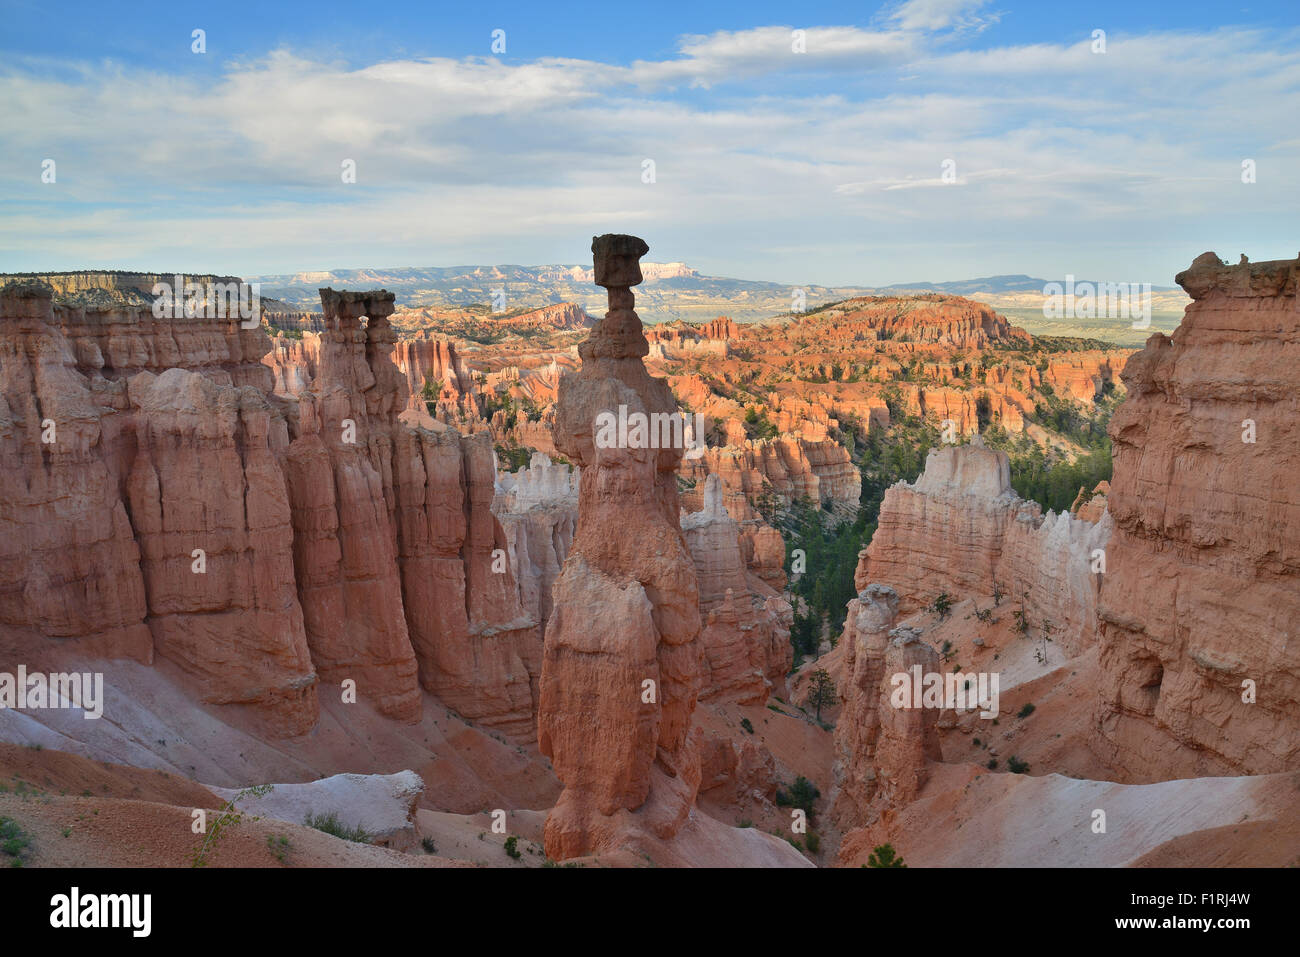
(1090, 507)
(341, 490)
(150, 514)
(1200, 674)
(787, 465)
(621, 668)
(435, 373)
(761, 545)
(382, 805)
(69, 562)
(293, 363)
(881, 750)
(961, 529)
(720, 328)
(925, 319)
(537, 507)
(175, 495)
(206, 481)
(394, 527)
(746, 635)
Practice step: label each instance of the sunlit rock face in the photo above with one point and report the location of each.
(621, 667)
(1200, 664)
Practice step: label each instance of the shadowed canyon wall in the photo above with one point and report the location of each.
(168, 501)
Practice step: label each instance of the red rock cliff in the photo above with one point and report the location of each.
(1202, 594)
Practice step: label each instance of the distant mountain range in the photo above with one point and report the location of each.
(671, 291)
(995, 285)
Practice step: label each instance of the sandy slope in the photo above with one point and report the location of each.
(1007, 820)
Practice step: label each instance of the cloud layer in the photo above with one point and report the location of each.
(874, 155)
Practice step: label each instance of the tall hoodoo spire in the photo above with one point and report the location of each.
(621, 665)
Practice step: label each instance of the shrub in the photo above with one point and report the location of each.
(802, 794)
(428, 845)
(884, 856)
(278, 846)
(512, 847)
(330, 824)
(942, 605)
(1025, 711)
(14, 841)
(1016, 766)
(745, 723)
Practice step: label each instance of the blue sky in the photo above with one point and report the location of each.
(825, 166)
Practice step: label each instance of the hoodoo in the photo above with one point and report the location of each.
(621, 661)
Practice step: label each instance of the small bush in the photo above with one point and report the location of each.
(512, 847)
(884, 856)
(14, 841)
(1025, 711)
(429, 846)
(1016, 766)
(993, 764)
(802, 794)
(942, 605)
(278, 846)
(330, 824)
(744, 723)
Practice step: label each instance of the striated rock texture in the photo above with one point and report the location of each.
(626, 604)
(933, 318)
(746, 636)
(961, 528)
(538, 511)
(881, 750)
(143, 512)
(761, 545)
(341, 490)
(394, 538)
(293, 363)
(790, 465)
(172, 494)
(206, 475)
(1202, 591)
(435, 373)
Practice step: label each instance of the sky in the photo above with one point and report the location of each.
(827, 143)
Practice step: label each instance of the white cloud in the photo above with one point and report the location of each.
(938, 14)
(471, 159)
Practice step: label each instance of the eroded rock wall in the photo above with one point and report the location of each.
(259, 524)
(961, 529)
(1202, 593)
